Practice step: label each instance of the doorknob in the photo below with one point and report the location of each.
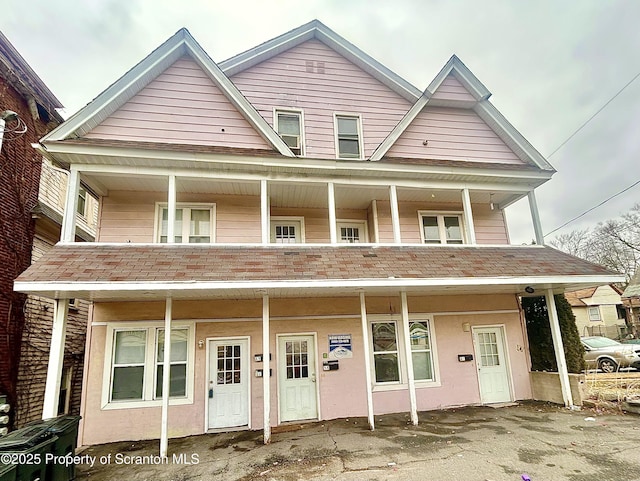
(313, 377)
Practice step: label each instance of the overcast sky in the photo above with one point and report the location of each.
(550, 64)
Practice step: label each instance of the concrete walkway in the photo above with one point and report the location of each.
(546, 442)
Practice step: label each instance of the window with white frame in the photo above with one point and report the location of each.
(287, 230)
(136, 364)
(441, 228)
(82, 202)
(289, 126)
(352, 232)
(594, 313)
(193, 223)
(421, 352)
(348, 136)
(384, 339)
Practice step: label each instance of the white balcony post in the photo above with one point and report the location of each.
(264, 211)
(367, 360)
(558, 348)
(68, 230)
(395, 214)
(166, 375)
(331, 197)
(535, 217)
(408, 354)
(266, 365)
(56, 358)
(171, 210)
(468, 216)
(374, 216)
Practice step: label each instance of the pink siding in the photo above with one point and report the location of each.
(183, 106)
(283, 81)
(452, 134)
(490, 225)
(452, 89)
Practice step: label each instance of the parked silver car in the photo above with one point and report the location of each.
(609, 355)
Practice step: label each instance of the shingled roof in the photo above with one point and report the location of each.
(174, 265)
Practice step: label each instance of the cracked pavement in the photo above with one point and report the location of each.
(545, 441)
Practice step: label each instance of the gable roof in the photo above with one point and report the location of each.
(132, 82)
(317, 30)
(485, 110)
(633, 289)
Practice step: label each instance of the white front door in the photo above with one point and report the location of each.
(228, 383)
(493, 373)
(297, 378)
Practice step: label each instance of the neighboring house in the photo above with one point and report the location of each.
(599, 311)
(631, 301)
(31, 191)
(308, 234)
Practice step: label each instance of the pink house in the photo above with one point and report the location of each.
(295, 233)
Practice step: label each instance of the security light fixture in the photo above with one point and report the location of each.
(529, 290)
(8, 115)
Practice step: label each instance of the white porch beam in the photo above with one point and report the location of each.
(409, 359)
(264, 211)
(266, 380)
(331, 197)
(56, 358)
(68, 231)
(374, 216)
(535, 217)
(367, 360)
(166, 374)
(171, 210)
(395, 213)
(468, 216)
(558, 348)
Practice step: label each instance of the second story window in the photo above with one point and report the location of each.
(193, 224)
(82, 202)
(441, 228)
(288, 124)
(348, 137)
(287, 230)
(352, 232)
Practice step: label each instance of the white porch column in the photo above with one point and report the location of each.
(559, 348)
(331, 197)
(535, 217)
(266, 365)
(171, 210)
(468, 216)
(56, 358)
(409, 356)
(395, 213)
(264, 211)
(374, 216)
(166, 374)
(367, 360)
(68, 231)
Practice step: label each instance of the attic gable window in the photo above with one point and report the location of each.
(288, 124)
(348, 136)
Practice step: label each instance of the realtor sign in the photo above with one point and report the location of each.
(340, 346)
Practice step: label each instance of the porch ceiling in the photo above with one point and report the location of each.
(134, 272)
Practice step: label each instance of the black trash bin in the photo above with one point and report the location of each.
(27, 450)
(65, 429)
(7, 472)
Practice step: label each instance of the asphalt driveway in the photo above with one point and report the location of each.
(544, 442)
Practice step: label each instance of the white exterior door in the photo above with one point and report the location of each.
(297, 378)
(493, 373)
(228, 383)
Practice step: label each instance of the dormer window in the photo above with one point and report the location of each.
(288, 124)
(348, 136)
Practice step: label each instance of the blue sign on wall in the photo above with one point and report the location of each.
(340, 346)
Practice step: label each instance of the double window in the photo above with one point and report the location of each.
(348, 136)
(386, 350)
(193, 224)
(135, 362)
(441, 228)
(289, 125)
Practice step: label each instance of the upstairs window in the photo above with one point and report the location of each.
(193, 224)
(594, 314)
(288, 124)
(352, 232)
(348, 137)
(82, 202)
(443, 228)
(287, 230)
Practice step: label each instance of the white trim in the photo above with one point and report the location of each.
(300, 114)
(185, 234)
(505, 350)
(149, 381)
(265, 212)
(359, 223)
(408, 352)
(558, 347)
(467, 217)
(358, 119)
(535, 217)
(395, 214)
(171, 214)
(367, 360)
(331, 207)
(56, 358)
(166, 372)
(68, 229)
(276, 219)
(266, 378)
(374, 215)
(440, 214)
